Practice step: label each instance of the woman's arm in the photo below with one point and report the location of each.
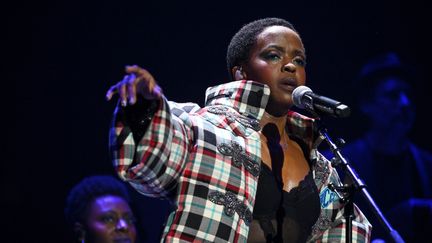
(149, 145)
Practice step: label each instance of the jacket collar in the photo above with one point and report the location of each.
(248, 97)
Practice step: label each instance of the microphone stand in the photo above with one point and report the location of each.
(346, 192)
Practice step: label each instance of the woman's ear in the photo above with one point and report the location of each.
(238, 73)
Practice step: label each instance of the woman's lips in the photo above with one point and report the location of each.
(288, 85)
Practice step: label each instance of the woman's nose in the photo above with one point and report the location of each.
(289, 67)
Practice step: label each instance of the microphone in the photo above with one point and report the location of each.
(304, 98)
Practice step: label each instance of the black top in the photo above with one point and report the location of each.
(284, 216)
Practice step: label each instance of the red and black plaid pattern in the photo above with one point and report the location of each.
(208, 157)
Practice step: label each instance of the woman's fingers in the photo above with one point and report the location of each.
(146, 84)
(138, 80)
(122, 90)
(112, 90)
(139, 71)
(115, 89)
(131, 88)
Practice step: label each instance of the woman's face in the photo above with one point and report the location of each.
(110, 220)
(278, 59)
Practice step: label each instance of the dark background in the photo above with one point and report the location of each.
(62, 57)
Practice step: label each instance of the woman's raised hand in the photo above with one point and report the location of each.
(137, 81)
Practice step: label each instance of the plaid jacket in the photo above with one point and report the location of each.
(209, 160)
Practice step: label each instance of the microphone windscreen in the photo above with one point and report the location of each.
(297, 95)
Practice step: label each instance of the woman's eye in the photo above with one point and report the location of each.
(300, 62)
(272, 57)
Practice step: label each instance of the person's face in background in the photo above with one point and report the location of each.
(110, 220)
(390, 107)
(278, 59)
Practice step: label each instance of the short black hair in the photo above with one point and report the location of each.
(87, 190)
(242, 42)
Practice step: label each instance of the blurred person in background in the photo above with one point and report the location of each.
(397, 172)
(97, 211)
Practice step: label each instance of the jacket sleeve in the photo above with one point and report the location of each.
(150, 157)
(331, 225)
